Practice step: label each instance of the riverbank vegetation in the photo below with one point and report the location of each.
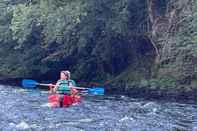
(140, 43)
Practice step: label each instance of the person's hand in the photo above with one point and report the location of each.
(74, 91)
(51, 86)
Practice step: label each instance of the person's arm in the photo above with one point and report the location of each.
(73, 83)
(53, 88)
(73, 90)
(56, 87)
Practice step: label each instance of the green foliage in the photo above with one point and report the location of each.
(60, 22)
(25, 19)
(20, 15)
(163, 83)
(180, 60)
(187, 38)
(85, 36)
(5, 17)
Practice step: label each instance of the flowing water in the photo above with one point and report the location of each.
(28, 110)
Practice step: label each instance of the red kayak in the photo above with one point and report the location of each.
(67, 100)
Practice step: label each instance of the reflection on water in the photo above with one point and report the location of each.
(28, 110)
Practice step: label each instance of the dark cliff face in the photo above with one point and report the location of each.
(106, 41)
(173, 32)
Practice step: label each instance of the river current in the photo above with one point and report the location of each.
(28, 110)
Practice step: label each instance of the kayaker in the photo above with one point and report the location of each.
(65, 88)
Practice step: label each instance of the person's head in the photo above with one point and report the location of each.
(64, 75)
(68, 72)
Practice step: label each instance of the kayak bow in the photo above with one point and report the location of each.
(54, 100)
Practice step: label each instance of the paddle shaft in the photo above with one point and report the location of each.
(41, 84)
(79, 88)
(28, 83)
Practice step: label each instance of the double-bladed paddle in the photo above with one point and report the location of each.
(31, 84)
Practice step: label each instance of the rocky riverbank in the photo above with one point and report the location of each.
(150, 93)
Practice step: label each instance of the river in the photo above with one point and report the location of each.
(23, 109)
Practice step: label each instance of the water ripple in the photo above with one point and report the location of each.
(28, 110)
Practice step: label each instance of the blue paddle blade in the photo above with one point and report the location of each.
(27, 83)
(96, 91)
